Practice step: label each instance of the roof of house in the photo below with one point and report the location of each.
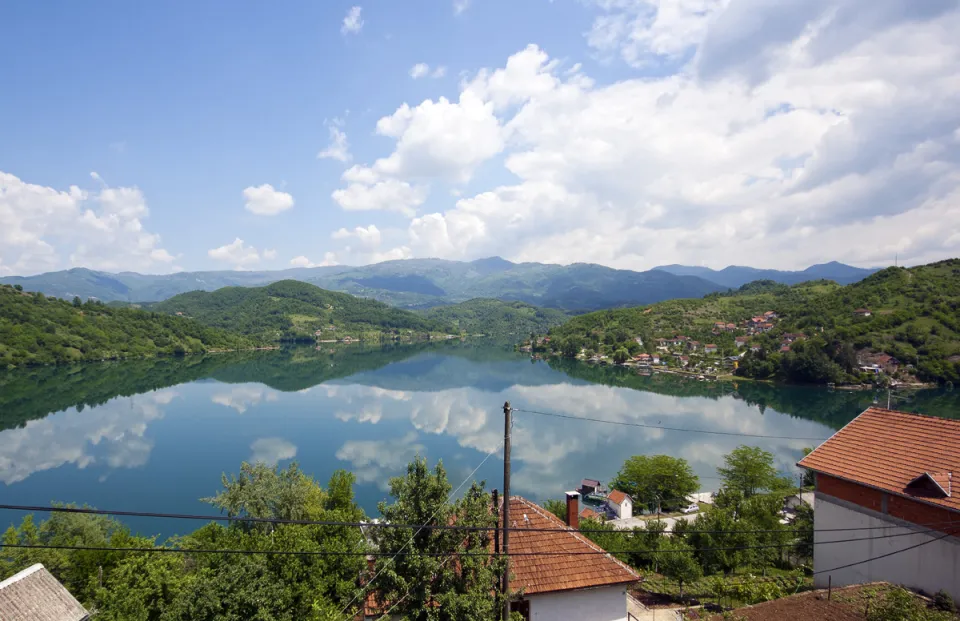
(35, 595)
(710, 345)
(589, 513)
(889, 450)
(742, 339)
(617, 496)
(590, 483)
(557, 572)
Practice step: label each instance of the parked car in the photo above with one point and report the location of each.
(694, 508)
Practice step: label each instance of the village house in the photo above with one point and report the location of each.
(684, 361)
(784, 349)
(790, 337)
(642, 358)
(741, 341)
(655, 358)
(731, 327)
(568, 588)
(710, 348)
(769, 315)
(888, 470)
(756, 348)
(693, 345)
(592, 486)
(35, 595)
(719, 326)
(621, 504)
(862, 312)
(590, 514)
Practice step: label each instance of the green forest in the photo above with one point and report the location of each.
(290, 310)
(496, 318)
(914, 317)
(35, 329)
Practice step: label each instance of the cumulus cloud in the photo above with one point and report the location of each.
(368, 237)
(43, 229)
(264, 200)
(386, 195)
(422, 70)
(329, 258)
(829, 133)
(459, 6)
(375, 461)
(352, 23)
(339, 148)
(239, 254)
(272, 450)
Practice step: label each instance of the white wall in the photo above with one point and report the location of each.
(601, 604)
(930, 567)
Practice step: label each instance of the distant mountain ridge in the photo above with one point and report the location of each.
(735, 276)
(426, 283)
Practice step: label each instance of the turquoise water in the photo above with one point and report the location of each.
(157, 435)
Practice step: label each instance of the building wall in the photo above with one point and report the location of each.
(930, 567)
(600, 604)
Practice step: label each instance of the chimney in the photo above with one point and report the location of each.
(573, 509)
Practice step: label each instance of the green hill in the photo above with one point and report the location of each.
(290, 310)
(35, 329)
(914, 316)
(497, 318)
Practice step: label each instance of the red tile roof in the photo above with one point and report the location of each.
(887, 450)
(557, 572)
(617, 496)
(589, 513)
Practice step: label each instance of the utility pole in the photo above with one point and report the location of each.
(506, 510)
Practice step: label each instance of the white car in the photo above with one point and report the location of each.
(694, 508)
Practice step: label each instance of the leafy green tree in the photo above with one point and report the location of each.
(650, 479)
(556, 507)
(428, 573)
(570, 347)
(678, 563)
(621, 355)
(18, 287)
(749, 470)
(77, 302)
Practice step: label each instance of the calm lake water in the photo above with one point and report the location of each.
(156, 435)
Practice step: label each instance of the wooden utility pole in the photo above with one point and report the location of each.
(506, 510)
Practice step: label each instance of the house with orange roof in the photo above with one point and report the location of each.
(621, 504)
(888, 473)
(578, 580)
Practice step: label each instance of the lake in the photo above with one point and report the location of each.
(156, 435)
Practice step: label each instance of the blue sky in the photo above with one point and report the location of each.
(622, 132)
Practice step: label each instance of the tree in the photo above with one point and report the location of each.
(570, 347)
(650, 479)
(18, 287)
(556, 507)
(677, 562)
(808, 479)
(749, 470)
(425, 575)
(77, 302)
(621, 355)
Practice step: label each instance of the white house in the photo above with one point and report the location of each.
(586, 584)
(621, 504)
(896, 473)
(567, 588)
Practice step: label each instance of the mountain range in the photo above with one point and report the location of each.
(426, 283)
(735, 276)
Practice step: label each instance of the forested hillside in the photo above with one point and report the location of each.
(911, 314)
(290, 310)
(497, 318)
(35, 329)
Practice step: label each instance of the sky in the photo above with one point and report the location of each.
(186, 135)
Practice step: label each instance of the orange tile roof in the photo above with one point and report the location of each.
(617, 496)
(589, 513)
(887, 449)
(557, 572)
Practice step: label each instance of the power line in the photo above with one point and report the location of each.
(876, 558)
(393, 555)
(414, 535)
(364, 525)
(628, 424)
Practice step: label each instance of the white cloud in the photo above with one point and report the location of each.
(368, 237)
(329, 258)
(242, 398)
(419, 70)
(238, 253)
(822, 131)
(339, 147)
(387, 195)
(272, 450)
(264, 200)
(352, 23)
(270, 254)
(459, 6)
(40, 225)
(422, 70)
